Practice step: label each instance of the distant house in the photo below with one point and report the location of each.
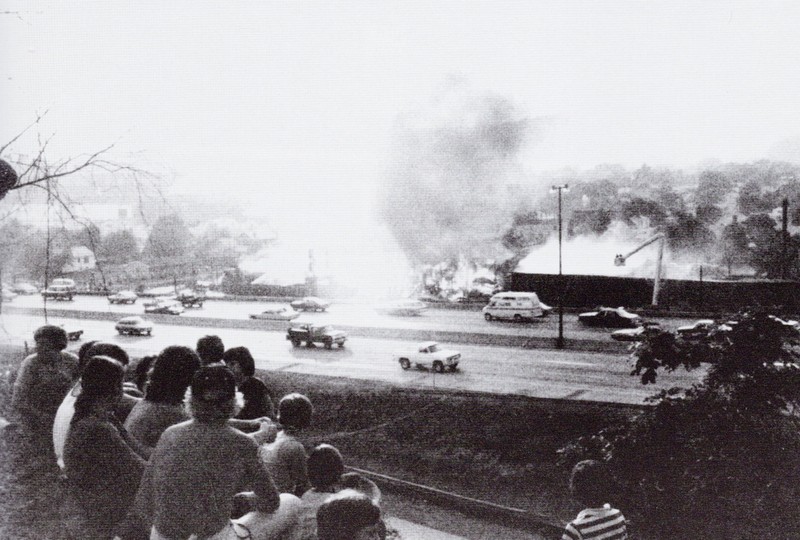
(80, 258)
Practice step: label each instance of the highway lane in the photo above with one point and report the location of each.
(359, 314)
(537, 373)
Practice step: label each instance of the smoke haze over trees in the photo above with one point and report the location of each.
(446, 190)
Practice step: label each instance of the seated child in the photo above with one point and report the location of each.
(286, 457)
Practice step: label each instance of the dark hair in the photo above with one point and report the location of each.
(171, 375)
(294, 411)
(241, 356)
(590, 483)
(344, 514)
(101, 379)
(142, 371)
(83, 358)
(103, 348)
(257, 402)
(55, 335)
(213, 394)
(325, 466)
(211, 349)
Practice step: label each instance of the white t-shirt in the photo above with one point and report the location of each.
(63, 419)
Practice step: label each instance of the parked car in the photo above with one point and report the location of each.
(637, 334)
(164, 306)
(123, 297)
(610, 318)
(58, 292)
(310, 303)
(309, 334)
(135, 325)
(429, 354)
(189, 298)
(276, 313)
(402, 308)
(24, 288)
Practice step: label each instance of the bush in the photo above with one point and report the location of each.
(721, 459)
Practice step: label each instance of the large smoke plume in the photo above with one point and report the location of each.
(446, 193)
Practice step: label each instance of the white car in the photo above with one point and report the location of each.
(123, 297)
(276, 313)
(402, 307)
(134, 326)
(8, 294)
(430, 355)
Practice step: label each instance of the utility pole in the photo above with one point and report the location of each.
(560, 339)
(785, 240)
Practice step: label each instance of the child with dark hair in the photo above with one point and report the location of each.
(66, 410)
(163, 403)
(103, 464)
(349, 515)
(257, 402)
(43, 379)
(142, 371)
(589, 483)
(286, 457)
(211, 349)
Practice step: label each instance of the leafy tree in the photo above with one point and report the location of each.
(639, 207)
(686, 232)
(752, 199)
(734, 246)
(119, 247)
(728, 447)
(712, 186)
(709, 214)
(169, 237)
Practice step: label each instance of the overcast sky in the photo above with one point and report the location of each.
(298, 99)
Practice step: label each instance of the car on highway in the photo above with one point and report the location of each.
(276, 313)
(516, 306)
(310, 303)
(24, 288)
(606, 317)
(429, 355)
(58, 292)
(309, 334)
(408, 308)
(637, 334)
(65, 282)
(135, 325)
(699, 329)
(189, 298)
(163, 306)
(123, 297)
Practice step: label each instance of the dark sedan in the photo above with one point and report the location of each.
(610, 318)
(310, 303)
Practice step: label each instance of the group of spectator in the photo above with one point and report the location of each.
(174, 455)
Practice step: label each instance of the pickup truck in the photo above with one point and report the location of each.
(313, 333)
(429, 355)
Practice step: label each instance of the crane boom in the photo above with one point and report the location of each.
(619, 260)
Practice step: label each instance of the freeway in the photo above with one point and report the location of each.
(496, 369)
(360, 315)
